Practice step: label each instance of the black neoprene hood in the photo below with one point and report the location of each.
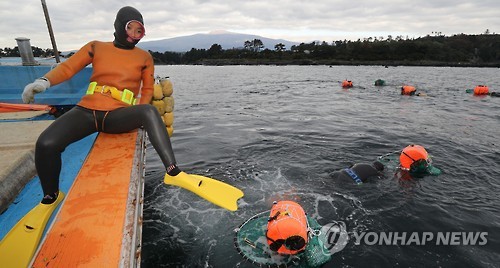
(124, 15)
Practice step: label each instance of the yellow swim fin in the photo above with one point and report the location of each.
(217, 192)
(20, 243)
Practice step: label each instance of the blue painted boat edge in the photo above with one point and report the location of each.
(73, 158)
(15, 78)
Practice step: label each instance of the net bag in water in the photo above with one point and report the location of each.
(296, 242)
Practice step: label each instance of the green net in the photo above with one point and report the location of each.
(250, 241)
(390, 160)
(316, 253)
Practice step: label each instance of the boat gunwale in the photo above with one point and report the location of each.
(130, 255)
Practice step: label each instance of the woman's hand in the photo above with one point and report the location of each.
(38, 86)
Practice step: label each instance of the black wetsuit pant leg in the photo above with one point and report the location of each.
(80, 122)
(72, 126)
(145, 115)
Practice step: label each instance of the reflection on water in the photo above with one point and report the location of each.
(278, 132)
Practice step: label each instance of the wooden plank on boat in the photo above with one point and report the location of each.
(90, 228)
(17, 154)
(22, 134)
(21, 115)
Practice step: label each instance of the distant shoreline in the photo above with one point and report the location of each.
(227, 62)
(327, 62)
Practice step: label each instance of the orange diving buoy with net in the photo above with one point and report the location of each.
(287, 229)
(407, 90)
(481, 90)
(411, 154)
(346, 83)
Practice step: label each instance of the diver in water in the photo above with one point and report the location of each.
(121, 71)
(359, 173)
(379, 83)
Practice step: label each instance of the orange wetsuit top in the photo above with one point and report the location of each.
(112, 66)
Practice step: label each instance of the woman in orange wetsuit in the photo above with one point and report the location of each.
(119, 65)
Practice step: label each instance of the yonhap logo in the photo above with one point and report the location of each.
(335, 238)
(421, 238)
(335, 235)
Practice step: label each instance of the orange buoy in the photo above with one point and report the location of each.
(287, 231)
(346, 83)
(408, 90)
(411, 154)
(481, 90)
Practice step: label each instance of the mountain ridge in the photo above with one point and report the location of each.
(227, 40)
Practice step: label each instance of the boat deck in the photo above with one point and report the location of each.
(100, 222)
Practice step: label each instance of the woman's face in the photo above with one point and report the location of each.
(135, 31)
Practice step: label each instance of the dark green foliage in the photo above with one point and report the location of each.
(456, 50)
(37, 52)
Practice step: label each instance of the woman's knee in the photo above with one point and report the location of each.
(149, 110)
(149, 113)
(46, 143)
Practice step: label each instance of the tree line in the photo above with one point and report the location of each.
(438, 49)
(456, 50)
(37, 52)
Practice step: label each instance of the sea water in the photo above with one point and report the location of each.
(278, 132)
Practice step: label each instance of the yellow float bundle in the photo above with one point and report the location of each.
(164, 102)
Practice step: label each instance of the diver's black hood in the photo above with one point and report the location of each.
(124, 15)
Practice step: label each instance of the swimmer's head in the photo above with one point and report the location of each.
(378, 166)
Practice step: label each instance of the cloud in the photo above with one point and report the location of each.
(76, 22)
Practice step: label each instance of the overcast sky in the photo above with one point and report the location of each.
(75, 22)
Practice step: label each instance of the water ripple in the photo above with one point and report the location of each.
(279, 132)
